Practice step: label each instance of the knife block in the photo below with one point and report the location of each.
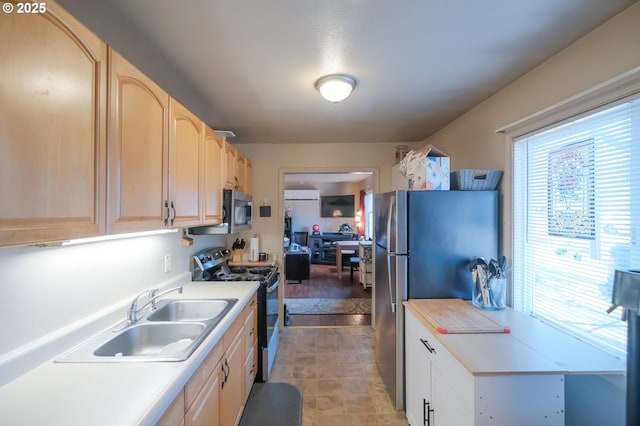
(236, 256)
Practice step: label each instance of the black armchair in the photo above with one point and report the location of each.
(301, 238)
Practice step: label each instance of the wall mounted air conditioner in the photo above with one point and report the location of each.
(301, 194)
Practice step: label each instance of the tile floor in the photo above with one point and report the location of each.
(335, 369)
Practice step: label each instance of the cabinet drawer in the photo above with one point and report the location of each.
(252, 305)
(233, 331)
(193, 386)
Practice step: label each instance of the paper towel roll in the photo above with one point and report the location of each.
(254, 249)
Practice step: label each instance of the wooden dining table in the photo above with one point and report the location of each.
(344, 245)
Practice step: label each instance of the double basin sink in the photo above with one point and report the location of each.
(171, 332)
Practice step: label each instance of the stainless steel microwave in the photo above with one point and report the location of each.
(236, 215)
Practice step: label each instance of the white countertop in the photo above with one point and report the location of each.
(531, 347)
(119, 393)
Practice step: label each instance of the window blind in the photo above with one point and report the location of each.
(576, 219)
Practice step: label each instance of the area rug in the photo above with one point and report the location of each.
(328, 306)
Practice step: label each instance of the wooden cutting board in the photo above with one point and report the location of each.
(456, 316)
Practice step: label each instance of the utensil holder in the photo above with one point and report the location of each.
(490, 295)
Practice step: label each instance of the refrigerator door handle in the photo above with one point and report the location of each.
(390, 252)
(389, 213)
(391, 296)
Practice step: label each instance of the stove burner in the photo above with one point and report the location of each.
(238, 269)
(260, 270)
(229, 277)
(254, 277)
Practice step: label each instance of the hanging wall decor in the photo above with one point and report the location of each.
(571, 210)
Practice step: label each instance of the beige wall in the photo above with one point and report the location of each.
(271, 161)
(472, 141)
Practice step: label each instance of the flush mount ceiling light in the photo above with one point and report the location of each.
(335, 87)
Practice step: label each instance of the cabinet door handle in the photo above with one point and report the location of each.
(166, 217)
(173, 209)
(426, 412)
(224, 379)
(426, 344)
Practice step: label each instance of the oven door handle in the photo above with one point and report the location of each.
(273, 286)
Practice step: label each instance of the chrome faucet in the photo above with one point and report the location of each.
(152, 295)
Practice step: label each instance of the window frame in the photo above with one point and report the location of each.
(600, 97)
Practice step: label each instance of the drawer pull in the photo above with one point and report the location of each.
(426, 344)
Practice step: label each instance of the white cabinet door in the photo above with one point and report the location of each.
(449, 407)
(418, 383)
(418, 374)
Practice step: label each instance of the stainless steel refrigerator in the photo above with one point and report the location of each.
(424, 243)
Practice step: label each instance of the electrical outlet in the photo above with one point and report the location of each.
(167, 263)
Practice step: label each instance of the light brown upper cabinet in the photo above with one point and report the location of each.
(138, 150)
(186, 139)
(213, 176)
(230, 159)
(241, 167)
(248, 177)
(52, 128)
(154, 155)
(237, 170)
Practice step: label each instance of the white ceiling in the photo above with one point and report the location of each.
(418, 63)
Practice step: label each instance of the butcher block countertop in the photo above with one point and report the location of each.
(508, 341)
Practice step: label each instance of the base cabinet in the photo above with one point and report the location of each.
(442, 392)
(232, 384)
(205, 410)
(217, 392)
(418, 383)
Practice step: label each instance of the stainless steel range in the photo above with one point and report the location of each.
(212, 264)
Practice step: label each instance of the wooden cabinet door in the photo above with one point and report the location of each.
(232, 398)
(52, 128)
(138, 149)
(185, 184)
(241, 166)
(248, 177)
(205, 410)
(174, 416)
(213, 176)
(230, 155)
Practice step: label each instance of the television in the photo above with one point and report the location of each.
(337, 206)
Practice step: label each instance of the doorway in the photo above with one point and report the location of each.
(326, 297)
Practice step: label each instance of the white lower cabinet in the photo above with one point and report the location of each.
(442, 392)
(418, 382)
